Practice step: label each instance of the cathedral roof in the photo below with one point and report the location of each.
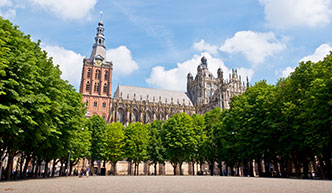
(165, 96)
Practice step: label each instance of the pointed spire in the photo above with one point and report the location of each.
(101, 19)
(247, 82)
(99, 48)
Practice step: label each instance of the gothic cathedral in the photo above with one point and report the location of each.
(132, 104)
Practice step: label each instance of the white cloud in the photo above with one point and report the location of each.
(286, 72)
(70, 63)
(294, 13)
(255, 46)
(203, 46)
(4, 3)
(68, 9)
(319, 53)
(122, 60)
(9, 14)
(176, 78)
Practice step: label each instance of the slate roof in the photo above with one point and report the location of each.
(150, 93)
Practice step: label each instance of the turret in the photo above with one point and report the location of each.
(220, 74)
(204, 63)
(190, 77)
(247, 82)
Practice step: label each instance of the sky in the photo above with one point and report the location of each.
(156, 43)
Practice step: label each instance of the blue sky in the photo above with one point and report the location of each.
(156, 43)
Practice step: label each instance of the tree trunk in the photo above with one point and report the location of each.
(21, 165)
(10, 163)
(92, 170)
(27, 160)
(53, 166)
(45, 169)
(174, 168)
(135, 169)
(328, 167)
(61, 168)
(180, 167)
(259, 166)
(220, 168)
(251, 169)
(211, 166)
(232, 170)
(114, 168)
(155, 168)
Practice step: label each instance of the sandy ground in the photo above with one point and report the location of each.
(166, 184)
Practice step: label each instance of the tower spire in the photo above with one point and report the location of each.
(99, 48)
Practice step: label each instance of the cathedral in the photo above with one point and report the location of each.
(138, 104)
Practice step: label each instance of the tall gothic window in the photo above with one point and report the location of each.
(95, 104)
(104, 105)
(87, 103)
(89, 73)
(105, 88)
(106, 75)
(87, 87)
(96, 88)
(97, 76)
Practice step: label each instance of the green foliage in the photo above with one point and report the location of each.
(97, 127)
(114, 142)
(136, 142)
(179, 138)
(156, 150)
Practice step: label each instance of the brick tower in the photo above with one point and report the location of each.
(96, 81)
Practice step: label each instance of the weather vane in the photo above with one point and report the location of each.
(101, 14)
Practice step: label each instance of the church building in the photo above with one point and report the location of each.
(133, 104)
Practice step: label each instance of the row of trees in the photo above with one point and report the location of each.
(282, 127)
(286, 126)
(41, 115)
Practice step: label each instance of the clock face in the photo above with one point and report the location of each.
(98, 62)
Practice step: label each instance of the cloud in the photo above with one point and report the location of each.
(8, 14)
(203, 46)
(4, 3)
(319, 53)
(67, 9)
(286, 72)
(255, 46)
(122, 60)
(176, 78)
(293, 13)
(70, 63)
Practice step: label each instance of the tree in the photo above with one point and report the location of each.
(136, 143)
(211, 118)
(179, 140)
(200, 135)
(114, 144)
(156, 150)
(97, 127)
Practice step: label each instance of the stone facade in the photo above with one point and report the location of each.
(133, 104)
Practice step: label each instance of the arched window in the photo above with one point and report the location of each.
(105, 88)
(104, 105)
(97, 76)
(106, 75)
(136, 115)
(87, 87)
(122, 116)
(87, 103)
(95, 104)
(96, 88)
(89, 73)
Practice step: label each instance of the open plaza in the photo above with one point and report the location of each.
(166, 184)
